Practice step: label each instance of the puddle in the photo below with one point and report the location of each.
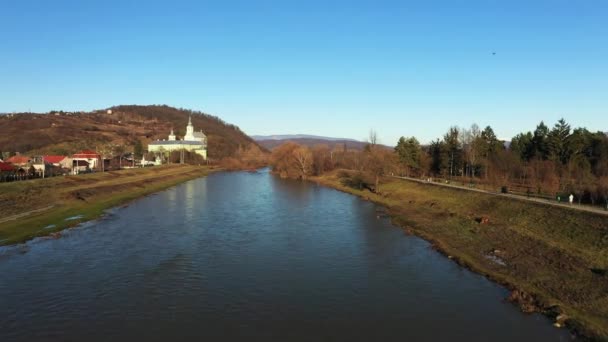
(72, 218)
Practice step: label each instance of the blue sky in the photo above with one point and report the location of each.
(336, 68)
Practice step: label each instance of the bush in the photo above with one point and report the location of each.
(357, 181)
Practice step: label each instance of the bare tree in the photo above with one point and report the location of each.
(373, 137)
(470, 144)
(303, 160)
(379, 162)
(322, 159)
(105, 151)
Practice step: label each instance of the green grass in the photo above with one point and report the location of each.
(549, 251)
(84, 195)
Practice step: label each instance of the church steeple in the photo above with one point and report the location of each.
(189, 130)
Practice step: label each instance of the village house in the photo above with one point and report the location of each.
(41, 167)
(80, 166)
(59, 161)
(92, 158)
(19, 160)
(7, 171)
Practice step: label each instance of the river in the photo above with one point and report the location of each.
(240, 255)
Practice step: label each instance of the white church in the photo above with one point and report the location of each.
(193, 142)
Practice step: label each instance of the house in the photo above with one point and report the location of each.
(41, 167)
(55, 160)
(7, 172)
(59, 161)
(92, 158)
(144, 162)
(19, 160)
(80, 166)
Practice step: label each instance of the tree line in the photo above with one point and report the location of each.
(546, 162)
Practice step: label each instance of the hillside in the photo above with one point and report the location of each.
(65, 133)
(272, 141)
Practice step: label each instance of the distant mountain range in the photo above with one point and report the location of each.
(272, 141)
(297, 136)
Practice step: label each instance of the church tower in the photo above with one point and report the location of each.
(171, 136)
(189, 130)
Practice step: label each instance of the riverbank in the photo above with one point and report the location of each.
(44, 207)
(554, 260)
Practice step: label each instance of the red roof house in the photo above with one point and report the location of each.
(6, 167)
(87, 154)
(53, 159)
(18, 160)
(92, 157)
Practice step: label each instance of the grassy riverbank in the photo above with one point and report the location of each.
(555, 259)
(42, 207)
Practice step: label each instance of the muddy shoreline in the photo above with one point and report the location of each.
(527, 301)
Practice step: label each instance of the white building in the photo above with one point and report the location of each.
(193, 141)
(92, 158)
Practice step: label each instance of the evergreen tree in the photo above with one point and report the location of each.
(408, 151)
(453, 149)
(539, 147)
(522, 145)
(492, 144)
(557, 142)
(488, 147)
(438, 157)
(138, 149)
(598, 155)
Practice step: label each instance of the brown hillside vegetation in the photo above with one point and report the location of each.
(63, 133)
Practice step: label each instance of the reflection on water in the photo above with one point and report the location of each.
(246, 255)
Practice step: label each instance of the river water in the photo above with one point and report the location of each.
(238, 256)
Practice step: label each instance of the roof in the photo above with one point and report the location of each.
(18, 160)
(53, 159)
(6, 167)
(176, 142)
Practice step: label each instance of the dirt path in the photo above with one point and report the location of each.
(513, 196)
(14, 217)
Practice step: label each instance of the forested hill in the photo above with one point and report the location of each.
(65, 133)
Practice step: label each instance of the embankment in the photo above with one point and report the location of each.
(554, 260)
(42, 207)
